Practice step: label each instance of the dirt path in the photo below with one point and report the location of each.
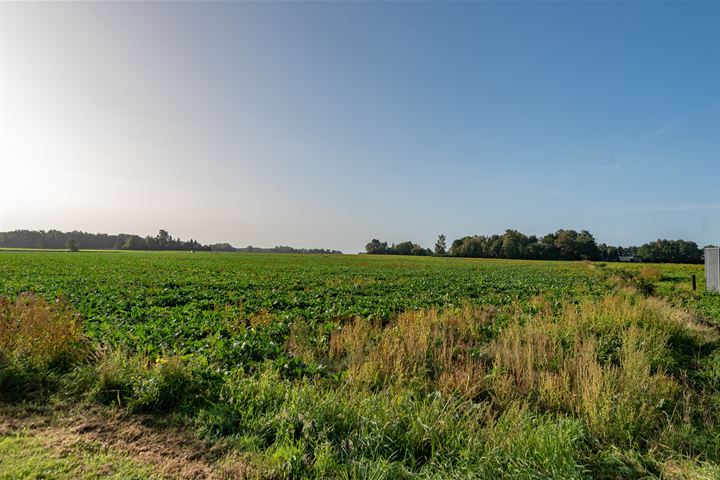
(169, 451)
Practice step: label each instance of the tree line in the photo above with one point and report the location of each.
(75, 240)
(226, 247)
(55, 239)
(560, 245)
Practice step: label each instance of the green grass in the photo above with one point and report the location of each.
(675, 285)
(30, 457)
(381, 366)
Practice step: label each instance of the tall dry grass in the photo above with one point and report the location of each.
(38, 332)
(605, 361)
(417, 347)
(611, 362)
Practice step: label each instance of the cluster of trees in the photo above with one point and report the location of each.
(226, 247)
(162, 241)
(377, 247)
(561, 245)
(55, 239)
(667, 251)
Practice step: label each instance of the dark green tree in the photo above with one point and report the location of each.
(513, 244)
(72, 245)
(376, 247)
(440, 245)
(402, 248)
(134, 242)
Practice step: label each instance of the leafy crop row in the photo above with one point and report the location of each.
(193, 303)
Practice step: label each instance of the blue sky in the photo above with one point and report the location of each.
(328, 124)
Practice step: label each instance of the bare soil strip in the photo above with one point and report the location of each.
(171, 452)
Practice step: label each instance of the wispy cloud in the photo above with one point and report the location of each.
(665, 128)
(669, 126)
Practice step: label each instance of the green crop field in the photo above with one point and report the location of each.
(358, 366)
(180, 302)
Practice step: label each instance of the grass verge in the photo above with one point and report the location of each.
(625, 386)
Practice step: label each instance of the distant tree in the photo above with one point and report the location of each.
(536, 251)
(72, 245)
(670, 251)
(402, 248)
(566, 245)
(376, 247)
(163, 238)
(494, 246)
(284, 249)
(608, 253)
(418, 250)
(458, 247)
(477, 246)
(379, 248)
(513, 244)
(586, 247)
(57, 239)
(222, 247)
(440, 245)
(134, 242)
(561, 245)
(688, 252)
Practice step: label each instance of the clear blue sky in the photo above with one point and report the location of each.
(328, 124)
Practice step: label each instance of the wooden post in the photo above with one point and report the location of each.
(694, 283)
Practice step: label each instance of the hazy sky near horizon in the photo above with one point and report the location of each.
(327, 124)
